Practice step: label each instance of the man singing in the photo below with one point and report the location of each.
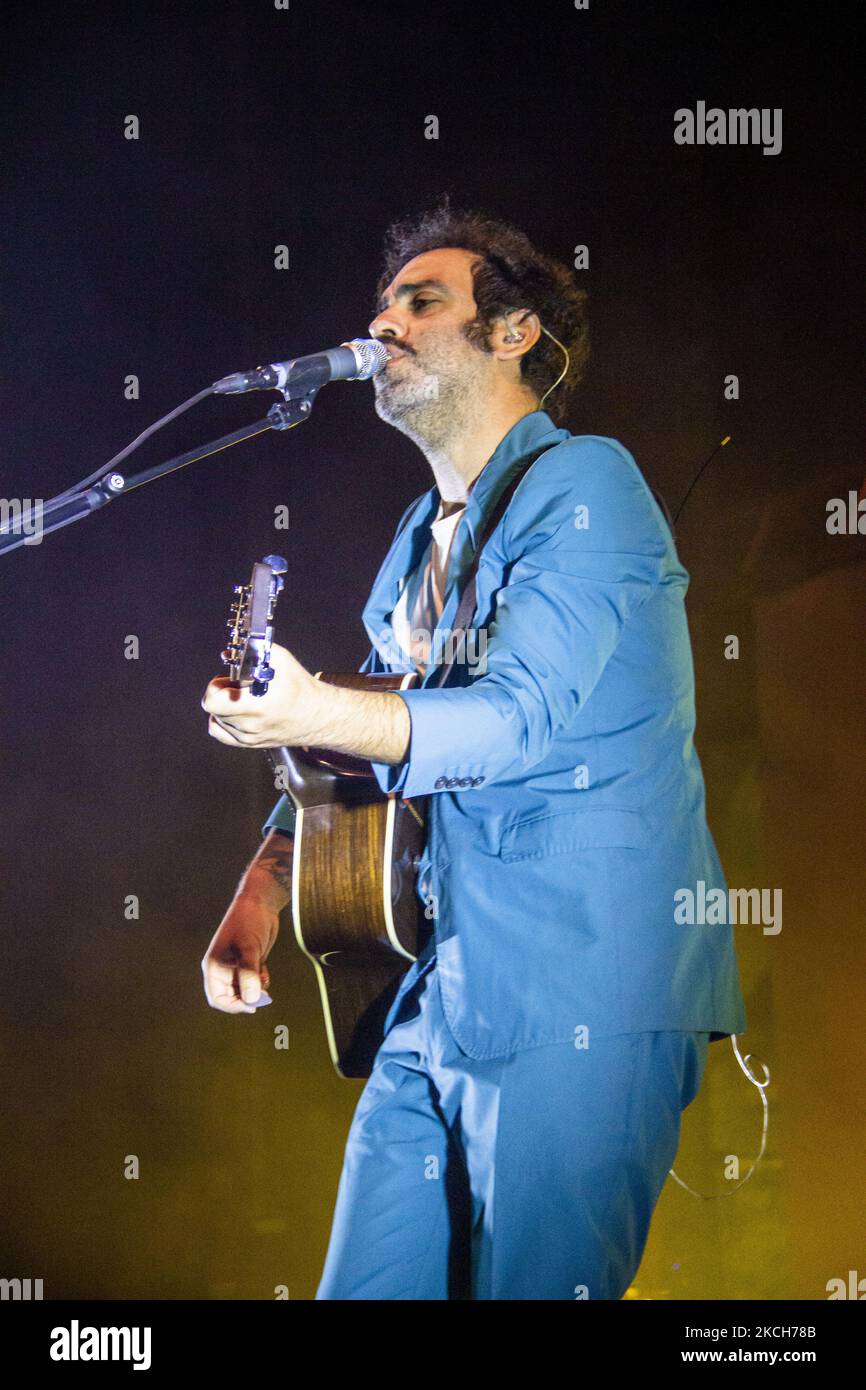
(524, 1108)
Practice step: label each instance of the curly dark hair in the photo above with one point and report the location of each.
(511, 275)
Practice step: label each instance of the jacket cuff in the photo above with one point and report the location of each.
(446, 724)
(282, 817)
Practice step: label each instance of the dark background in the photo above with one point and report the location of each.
(155, 257)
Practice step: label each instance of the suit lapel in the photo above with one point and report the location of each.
(470, 530)
(403, 557)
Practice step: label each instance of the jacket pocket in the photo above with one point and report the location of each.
(604, 828)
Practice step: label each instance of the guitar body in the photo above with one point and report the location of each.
(355, 910)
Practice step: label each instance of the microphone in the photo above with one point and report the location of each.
(357, 360)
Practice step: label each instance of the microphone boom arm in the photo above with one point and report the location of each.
(62, 510)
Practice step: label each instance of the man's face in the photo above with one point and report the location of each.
(435, 371)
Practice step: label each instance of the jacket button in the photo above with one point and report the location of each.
(453, 782)
(440, 783)
(466, 782)
(476, 781)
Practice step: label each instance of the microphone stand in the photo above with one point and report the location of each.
(60, 511)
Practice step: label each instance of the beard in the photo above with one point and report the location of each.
(431, 397)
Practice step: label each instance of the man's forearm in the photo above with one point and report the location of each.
(269, 876)
(364, 723)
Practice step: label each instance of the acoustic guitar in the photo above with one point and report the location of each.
(355, 909)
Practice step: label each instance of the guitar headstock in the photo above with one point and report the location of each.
(251, 625)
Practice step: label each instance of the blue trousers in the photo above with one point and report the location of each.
(532, 1176)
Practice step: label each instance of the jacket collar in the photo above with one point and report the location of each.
(532, 432)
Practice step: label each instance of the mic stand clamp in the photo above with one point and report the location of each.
(292, 411)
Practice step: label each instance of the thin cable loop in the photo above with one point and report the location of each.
(762, 1087)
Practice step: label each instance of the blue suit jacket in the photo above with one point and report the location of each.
(567, 799)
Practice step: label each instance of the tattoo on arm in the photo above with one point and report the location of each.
(276, 860)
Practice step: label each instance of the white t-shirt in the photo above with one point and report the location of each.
(420, 604)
